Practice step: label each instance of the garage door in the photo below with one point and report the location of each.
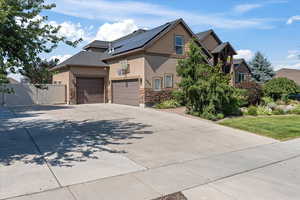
(126, 92)
(90, 90)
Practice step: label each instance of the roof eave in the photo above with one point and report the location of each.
(124, 53)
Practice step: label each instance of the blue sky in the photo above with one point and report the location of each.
(269, 26)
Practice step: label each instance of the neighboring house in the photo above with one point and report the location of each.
(242, 71)
(138, 69)
(292, 74)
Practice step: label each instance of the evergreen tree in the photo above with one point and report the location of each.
(261, 68)
(206, 88)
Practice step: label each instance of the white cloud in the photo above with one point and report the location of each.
(247, 54)
(112, 31)
(289, 66)
(72, 31)
(293, 19)
(149, 14)
(293, 54)
(68, 29)
(61, 58)
(242, 8)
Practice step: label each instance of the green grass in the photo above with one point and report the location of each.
(277, 127)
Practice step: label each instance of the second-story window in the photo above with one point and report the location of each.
(179, 44)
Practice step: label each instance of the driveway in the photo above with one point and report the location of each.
(106, 151)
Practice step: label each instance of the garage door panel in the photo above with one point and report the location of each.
(126, 92)
(90, 90)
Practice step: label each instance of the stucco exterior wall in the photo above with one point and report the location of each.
(159, 66)
(63, 77)
(166, 44)
(88, 72)
(68, 77)
(136, 70)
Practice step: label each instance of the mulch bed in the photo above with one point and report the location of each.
(175, 196)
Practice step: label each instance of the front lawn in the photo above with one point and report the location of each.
(277, 127)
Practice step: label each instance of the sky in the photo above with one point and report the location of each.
(269, 26)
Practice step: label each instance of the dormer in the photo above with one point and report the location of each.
(97, 46)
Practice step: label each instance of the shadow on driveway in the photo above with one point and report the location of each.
(62, 143)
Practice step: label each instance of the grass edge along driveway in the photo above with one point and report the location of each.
(277, 127)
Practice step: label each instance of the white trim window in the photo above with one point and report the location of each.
(168, 81)
(179, 44)
(157, 84)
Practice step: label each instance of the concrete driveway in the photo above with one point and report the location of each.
(106, 151)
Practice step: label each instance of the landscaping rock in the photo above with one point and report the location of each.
(285, 108)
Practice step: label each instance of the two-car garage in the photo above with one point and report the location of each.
(91, 90)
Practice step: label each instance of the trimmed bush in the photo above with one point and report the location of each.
(265, 101)
(179, 96)
(252, 110)
(167, 104)
(264, 110)
(280, 88)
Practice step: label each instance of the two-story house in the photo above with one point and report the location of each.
(137, 69)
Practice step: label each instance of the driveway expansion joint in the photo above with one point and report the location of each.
(39, 150)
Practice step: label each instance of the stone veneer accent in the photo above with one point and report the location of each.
(151, 97)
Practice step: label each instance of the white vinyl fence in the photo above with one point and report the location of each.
(27, 94)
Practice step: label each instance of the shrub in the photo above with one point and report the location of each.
(167, 104)
(264, 110)
(278, 111)
(253, 92)
(179, 96)
(212, 117)
(280, 88)
(252, 110)
(296, 110)
(242, 97)
(265, 101)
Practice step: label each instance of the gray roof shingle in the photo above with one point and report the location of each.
(202, 35)
(84, 58)
(97, 44)
(238, 61)
(220, 48)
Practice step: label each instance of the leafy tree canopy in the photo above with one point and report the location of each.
(279, 88)
(261, 68)
(25, 34)
(39, 73)
(207, 89)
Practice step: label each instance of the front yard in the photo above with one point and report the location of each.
(277, 127)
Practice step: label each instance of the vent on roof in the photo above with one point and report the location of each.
(110, 48)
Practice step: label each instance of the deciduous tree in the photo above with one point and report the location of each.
(25, 34)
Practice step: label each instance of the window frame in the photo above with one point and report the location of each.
(172, 80)
(154, 83)
(241, 77)
(182, 45)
